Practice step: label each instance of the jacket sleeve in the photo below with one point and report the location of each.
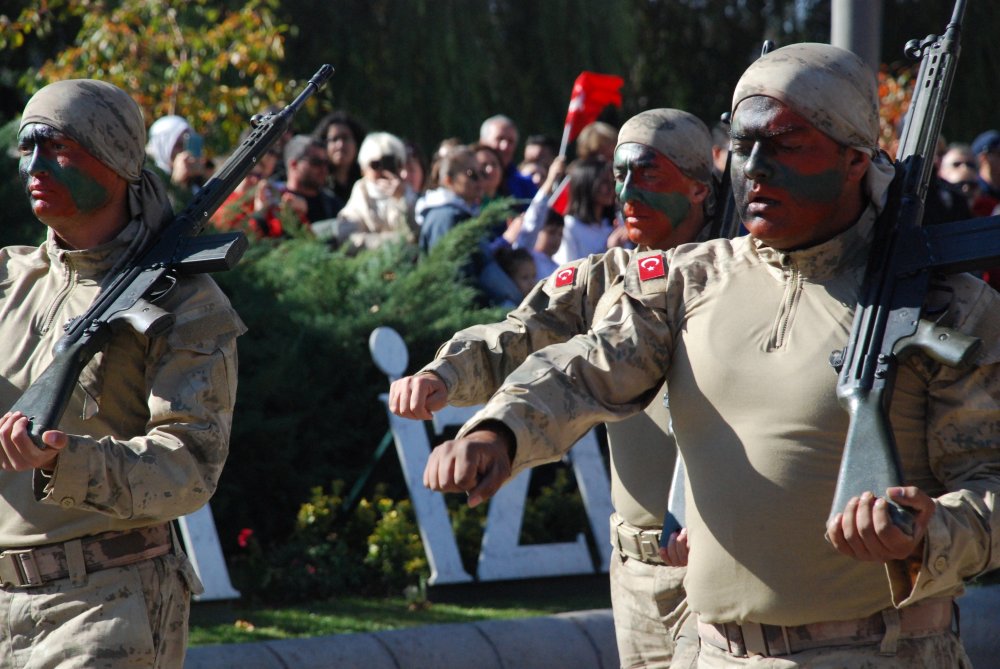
(963, 421)
(476, 360)
(609, 373)
(171, 466)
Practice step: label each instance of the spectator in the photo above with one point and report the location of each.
(540, 150)
(415, 172)
(341, 134)
(591, 208)
(255, 205)
(307, 167)
(452, 202)
(176, 152)
(546, 244)
(986, 148)
(501, 133)
(382, 203)
(446, 145)
(519, 265)
(597, 140)
(490, 171)
(958, 168)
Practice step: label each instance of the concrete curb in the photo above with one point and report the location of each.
(581, 640)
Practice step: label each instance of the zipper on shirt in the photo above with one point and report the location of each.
(786, 310)
(61, 296)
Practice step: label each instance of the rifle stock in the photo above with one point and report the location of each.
(887, 322)
(128, 297)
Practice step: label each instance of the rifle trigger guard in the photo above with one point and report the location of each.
(941, 344)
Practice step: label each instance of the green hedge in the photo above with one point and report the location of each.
(307, 409)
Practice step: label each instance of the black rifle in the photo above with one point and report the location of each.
(128, 296)
(888, 323)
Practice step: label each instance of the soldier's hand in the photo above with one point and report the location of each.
(865, 531)
(477, 465)
(417, 396)
(675, 553)
(19, 452)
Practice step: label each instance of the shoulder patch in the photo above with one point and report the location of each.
(651, 267)
(565, 276)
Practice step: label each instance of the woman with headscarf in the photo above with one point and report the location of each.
(176, 151)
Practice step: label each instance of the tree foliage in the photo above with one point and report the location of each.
(214, 66)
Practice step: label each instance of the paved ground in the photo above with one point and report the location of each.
(580, 640)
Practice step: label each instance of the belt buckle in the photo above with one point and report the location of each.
(18, 569)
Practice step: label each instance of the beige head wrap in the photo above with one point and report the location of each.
(831, 88)
(681, 137)
(108, 123)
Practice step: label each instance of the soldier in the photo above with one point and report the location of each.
(92, 574)
(742, 330)
(662, 170)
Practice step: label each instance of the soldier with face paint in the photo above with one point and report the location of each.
(91, 573)
(662, 171)
(742, 331)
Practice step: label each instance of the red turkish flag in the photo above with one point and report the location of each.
(592, 92)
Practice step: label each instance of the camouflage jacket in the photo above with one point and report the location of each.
(476, 360)
(743, 333)
(149, 419)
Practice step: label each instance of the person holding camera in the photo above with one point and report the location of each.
(177, 152)
(382, 203)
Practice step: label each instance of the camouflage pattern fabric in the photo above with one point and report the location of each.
(678, 135)
(746, 457)
(134, 616)
(647, 601)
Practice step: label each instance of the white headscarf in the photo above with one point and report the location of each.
(163, 136)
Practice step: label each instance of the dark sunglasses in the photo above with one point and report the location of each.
(472, 174)
(387, 163)
(317, 162)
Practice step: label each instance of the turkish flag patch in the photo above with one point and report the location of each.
(565, 276)
(651, 267)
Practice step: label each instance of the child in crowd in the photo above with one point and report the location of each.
(519, 265)
(546, 244)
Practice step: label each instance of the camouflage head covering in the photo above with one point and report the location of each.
(108, 123)
(831, 88)
(681, 137)
(828, 86)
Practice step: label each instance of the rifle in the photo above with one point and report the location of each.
(888, 323)
(129, 295)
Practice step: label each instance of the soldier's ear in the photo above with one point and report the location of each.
(857, 164)
(698, 192)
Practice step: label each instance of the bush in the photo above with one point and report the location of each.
(308, 409)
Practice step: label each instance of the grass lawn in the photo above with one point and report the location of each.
(225, 622)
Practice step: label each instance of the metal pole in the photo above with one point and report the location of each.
(856, 25)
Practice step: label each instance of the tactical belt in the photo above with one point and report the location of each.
(931, 616)
(635, 542)
(32, 567)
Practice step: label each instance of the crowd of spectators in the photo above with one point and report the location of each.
(359, 189)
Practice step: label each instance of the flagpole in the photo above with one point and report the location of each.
(565, 141)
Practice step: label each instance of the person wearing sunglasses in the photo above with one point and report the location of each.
(456, 199)
(307, 166)
(381, 206)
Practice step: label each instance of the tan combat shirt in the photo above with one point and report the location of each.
(149, 419)
(762, 445)
(476, 360)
